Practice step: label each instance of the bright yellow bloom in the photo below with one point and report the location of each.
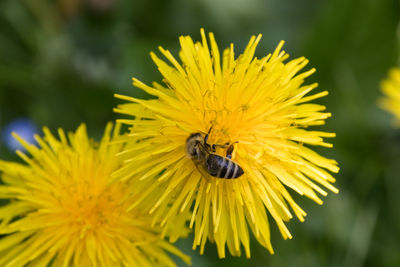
(391, 88)
(259, 103)
(63, 210)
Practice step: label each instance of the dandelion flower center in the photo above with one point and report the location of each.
(90, 208)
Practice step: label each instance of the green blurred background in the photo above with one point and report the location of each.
(62, 61)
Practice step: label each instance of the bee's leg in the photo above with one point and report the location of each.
(214, 146)
(229, 151)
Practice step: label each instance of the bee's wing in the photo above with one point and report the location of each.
(203, 172)
(204, 148)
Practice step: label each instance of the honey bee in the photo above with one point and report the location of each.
(203, 155)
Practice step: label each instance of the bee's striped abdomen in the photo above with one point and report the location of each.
(222, 167)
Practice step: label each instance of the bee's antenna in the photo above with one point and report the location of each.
(206, 137)
(209, 131)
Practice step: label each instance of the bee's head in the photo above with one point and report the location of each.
(194, 145)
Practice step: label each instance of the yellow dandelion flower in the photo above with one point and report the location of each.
(258, 108)
(63, 210)
(391, 89)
